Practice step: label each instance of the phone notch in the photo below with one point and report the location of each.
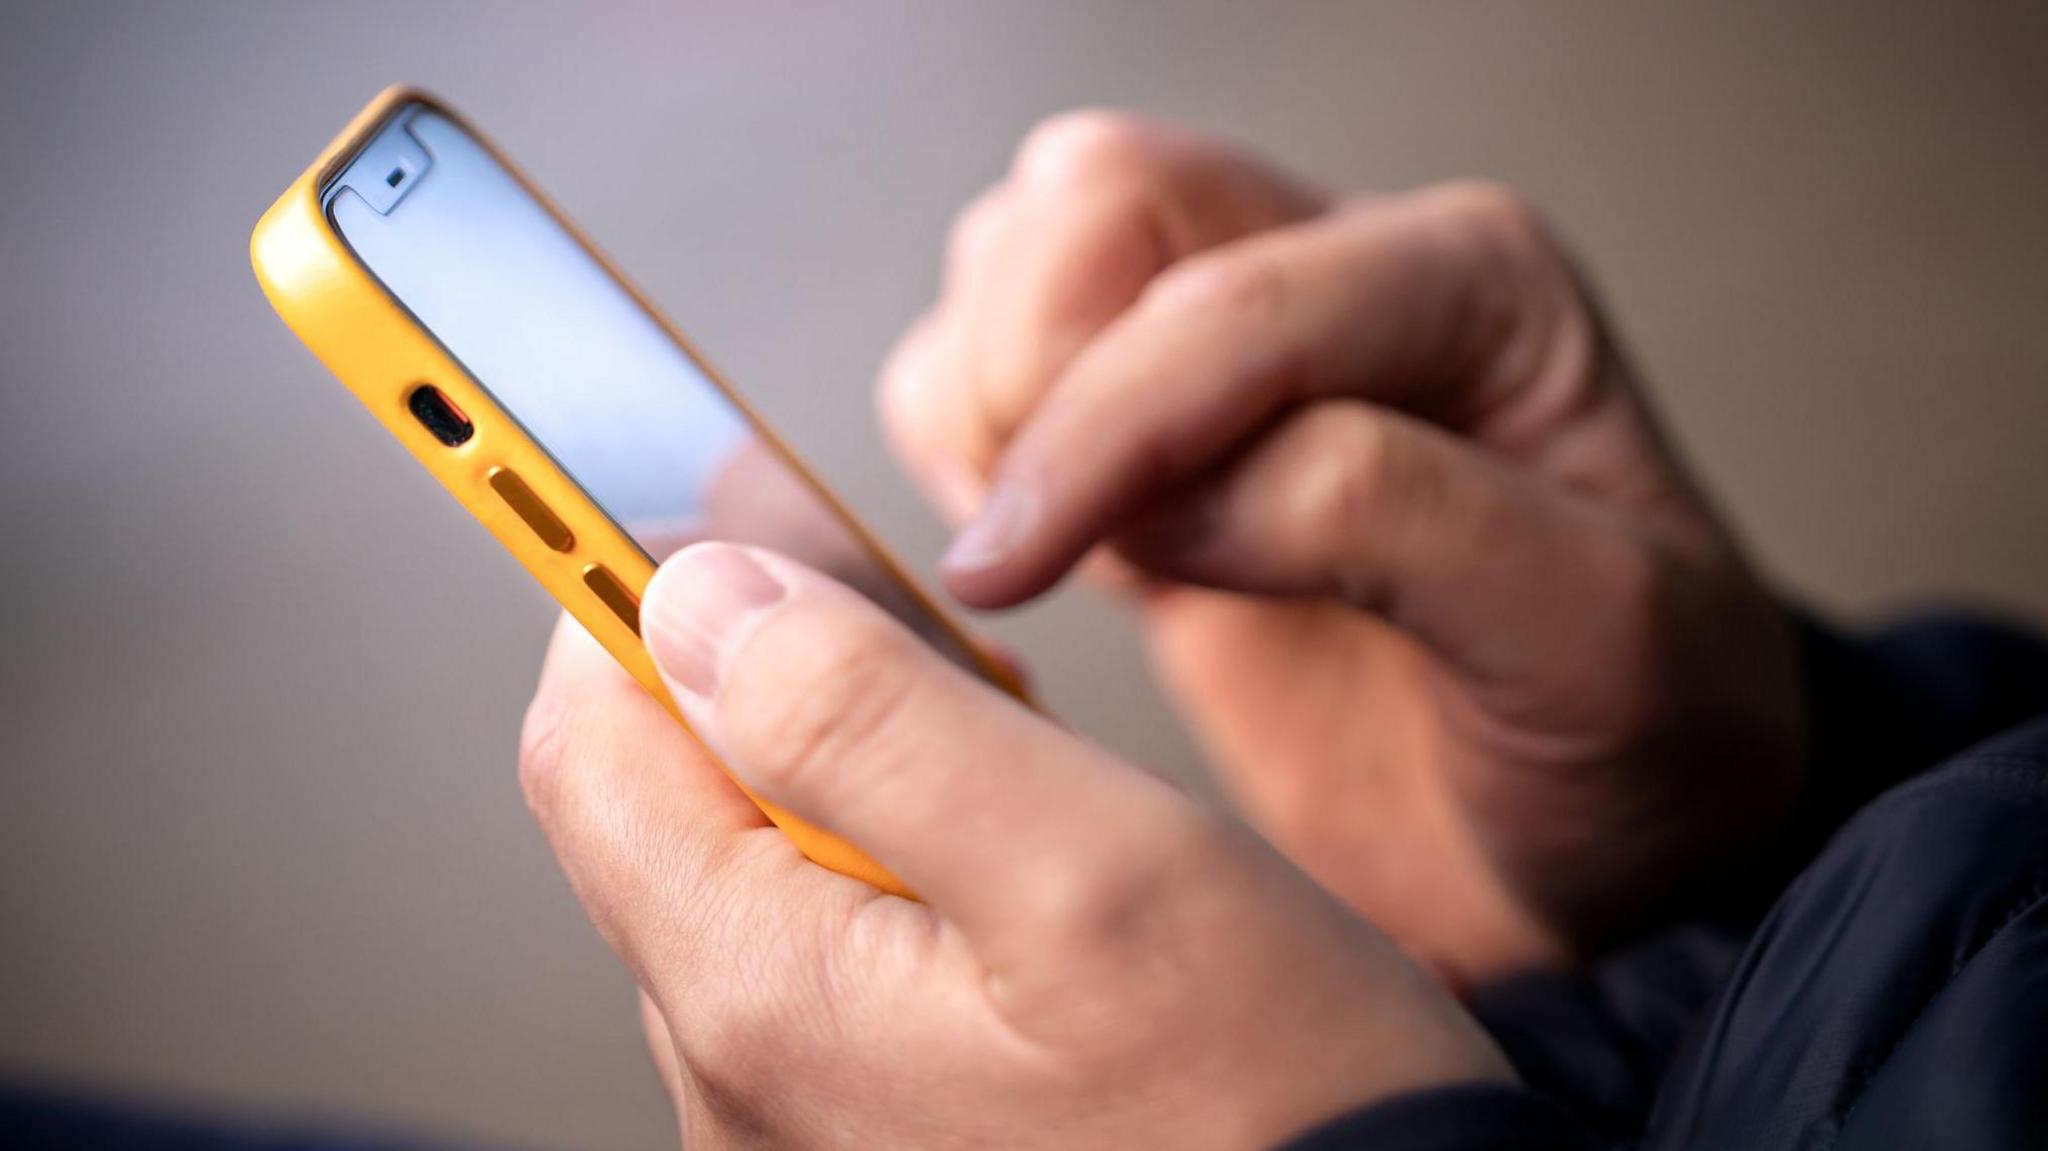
(387, 169)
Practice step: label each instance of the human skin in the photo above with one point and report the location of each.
(1459, 632)
(758, 497)
(1098, 962)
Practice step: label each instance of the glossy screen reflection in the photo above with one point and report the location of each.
(570, 355)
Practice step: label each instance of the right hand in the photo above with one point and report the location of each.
(1458, 630)
(1100, 962)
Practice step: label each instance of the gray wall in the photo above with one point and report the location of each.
(260, 840)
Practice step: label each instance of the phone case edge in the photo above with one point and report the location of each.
(380, 353)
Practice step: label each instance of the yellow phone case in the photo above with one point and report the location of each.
(382, 353)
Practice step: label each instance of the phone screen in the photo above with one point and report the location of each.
(568, 353)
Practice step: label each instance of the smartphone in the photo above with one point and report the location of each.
(546, 393)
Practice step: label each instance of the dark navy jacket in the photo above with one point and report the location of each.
(1894, 994)
(1884, 986)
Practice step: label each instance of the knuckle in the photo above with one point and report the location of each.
(542, 753)
(821, 700)
(1087, 905)
(1526, 305)
(768, 1015)
(1112, 898)
(731, 1076)
(733, 1043)
(1495, 212)
(741, 1048)
(1248, 289)
(903, 391)
(1361, 480)
(1345, 467)
(975, 229)
(1087, 144)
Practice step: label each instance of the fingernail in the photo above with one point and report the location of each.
(704, 597)
(996, 531)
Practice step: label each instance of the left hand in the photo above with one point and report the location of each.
(1102, 963)
(1457, 625)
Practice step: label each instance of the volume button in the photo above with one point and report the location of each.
(538, 516)
(607, 587)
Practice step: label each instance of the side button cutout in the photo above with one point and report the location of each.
(607, 587)
(520, 498)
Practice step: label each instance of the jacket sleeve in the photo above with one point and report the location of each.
(1473, 1117)
(1594, 1046)
(1896, 997)
(1898, 702)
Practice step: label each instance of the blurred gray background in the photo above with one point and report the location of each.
(261, 846)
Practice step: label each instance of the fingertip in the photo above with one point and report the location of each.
(698, 606)
(1018, 546)
(985, 585)
(1004, 526)
(978, 588)
(1000, 585)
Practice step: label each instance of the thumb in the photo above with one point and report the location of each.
(1478, 559)
(819, 701)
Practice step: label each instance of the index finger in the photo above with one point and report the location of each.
(1413, 303)
(1096, 205)
(641, 818)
